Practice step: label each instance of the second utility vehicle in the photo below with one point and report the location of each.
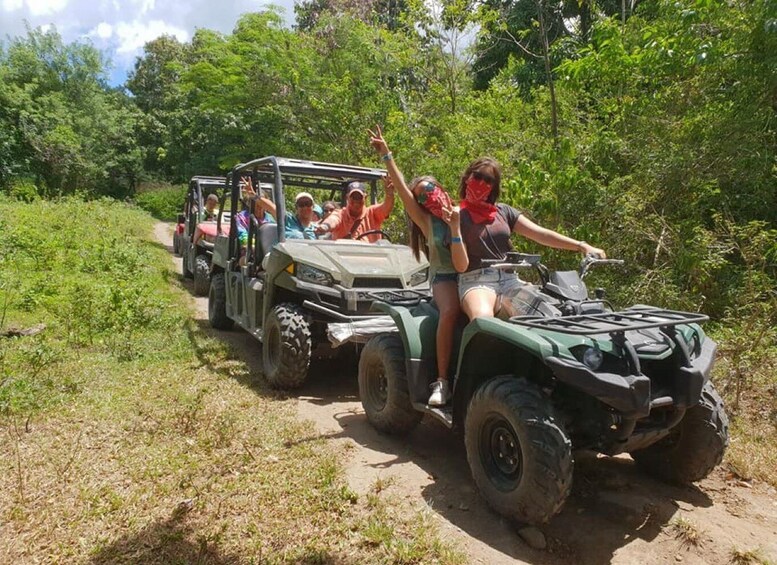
(286, 291)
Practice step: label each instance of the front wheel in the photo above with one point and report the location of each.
(286, 346)
(201, 275)
(518, 452)
(694, 447)
(217, 303)
(383, 386)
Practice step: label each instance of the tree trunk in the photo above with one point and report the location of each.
(548, 73)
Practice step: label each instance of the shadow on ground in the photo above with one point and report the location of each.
(163, 542)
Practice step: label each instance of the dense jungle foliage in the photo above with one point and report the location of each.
(646, 126)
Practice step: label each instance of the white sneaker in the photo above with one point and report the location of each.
(441, 393)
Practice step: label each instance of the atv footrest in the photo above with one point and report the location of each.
(442, 413)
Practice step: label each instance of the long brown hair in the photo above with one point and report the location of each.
(486, 165)
(417, 239)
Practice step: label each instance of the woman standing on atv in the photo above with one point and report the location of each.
(435, 228)
(486, 228)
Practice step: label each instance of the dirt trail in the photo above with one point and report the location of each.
(614, 515)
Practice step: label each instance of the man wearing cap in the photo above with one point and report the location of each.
(356, 218)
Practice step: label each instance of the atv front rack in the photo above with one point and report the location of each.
(611, 322)
(398, 297)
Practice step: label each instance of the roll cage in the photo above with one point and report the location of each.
(282, 172)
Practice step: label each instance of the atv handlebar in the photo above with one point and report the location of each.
(592, 259)
(514, 260)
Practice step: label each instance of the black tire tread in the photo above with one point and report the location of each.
(217, 303)
(548, 465)
(702, 444)
(397, 417)
(201, 275)
(296, 347)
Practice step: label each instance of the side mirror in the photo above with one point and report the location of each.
(181, 219)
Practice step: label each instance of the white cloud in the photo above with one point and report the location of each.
(45, 7)
(134, 35)
(103, 30)
(11, 5)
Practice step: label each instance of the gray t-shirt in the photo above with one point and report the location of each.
(488, 241)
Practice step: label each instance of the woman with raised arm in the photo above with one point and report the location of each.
(486, 228)
(435, 228)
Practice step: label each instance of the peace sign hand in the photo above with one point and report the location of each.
(377, 141)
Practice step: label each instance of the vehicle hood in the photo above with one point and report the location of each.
(208, 230)
(353, 261)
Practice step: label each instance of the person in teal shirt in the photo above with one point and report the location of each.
(302, 224)
(436, 229)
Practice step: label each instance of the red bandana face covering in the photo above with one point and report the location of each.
(434, 200)
(475, 202)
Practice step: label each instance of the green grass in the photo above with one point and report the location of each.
(163, 202)
(130, 435)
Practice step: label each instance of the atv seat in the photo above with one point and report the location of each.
(265, 239)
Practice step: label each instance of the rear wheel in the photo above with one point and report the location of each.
(217, 303)
(518, 452)
(201, 275)
(286, 346)
(694, 447)
(383, 386)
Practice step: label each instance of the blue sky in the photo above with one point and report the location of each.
(120, 28)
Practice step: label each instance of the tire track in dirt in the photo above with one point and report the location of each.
(614, 515)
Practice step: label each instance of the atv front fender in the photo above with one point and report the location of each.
(418, 330)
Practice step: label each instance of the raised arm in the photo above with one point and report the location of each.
(413, 208)
(267, 204)
(544, 236)
(451, 215)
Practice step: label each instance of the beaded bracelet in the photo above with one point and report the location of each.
(387, 157)
(455, 240)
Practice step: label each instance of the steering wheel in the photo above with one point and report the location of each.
(383, 234)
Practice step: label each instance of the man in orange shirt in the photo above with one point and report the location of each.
(356, 218)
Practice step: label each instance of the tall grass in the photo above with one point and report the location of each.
(130, 435)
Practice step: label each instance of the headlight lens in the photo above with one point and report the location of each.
(314, 275)
(418, 277)
(592, 358)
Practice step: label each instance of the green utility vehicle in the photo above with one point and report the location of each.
(196, 257)
(555, 372)
(285, 292)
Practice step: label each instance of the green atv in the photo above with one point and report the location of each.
(554, 372)
(286, 292)
(196, 258)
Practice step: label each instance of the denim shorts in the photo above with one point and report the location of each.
(495, 280)
(445, 277)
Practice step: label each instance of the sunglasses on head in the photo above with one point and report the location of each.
(485, 177)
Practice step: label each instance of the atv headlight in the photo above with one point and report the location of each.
(592, 358)
(314, 275)
(418, 277)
